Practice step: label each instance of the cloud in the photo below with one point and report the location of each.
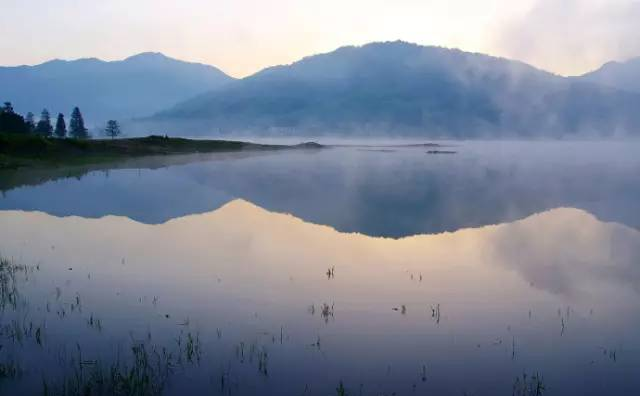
(572, 36)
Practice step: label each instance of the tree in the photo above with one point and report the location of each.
(113, 129)
(44, 127)
(7, 108)
(61, 127)
(76, 125)
(30, 123)
(10, 121)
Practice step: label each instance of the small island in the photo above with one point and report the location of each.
(441, 152)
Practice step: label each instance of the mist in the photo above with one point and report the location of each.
(571, 37)
(390, 191)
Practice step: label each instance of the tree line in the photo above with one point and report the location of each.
(12, 122)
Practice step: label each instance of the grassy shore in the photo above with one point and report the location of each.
(17, 151)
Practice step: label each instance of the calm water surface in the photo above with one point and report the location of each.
(506, 268)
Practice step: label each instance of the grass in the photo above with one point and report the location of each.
(147, 367)
(18, 151)
(10, 370)
(146, 374)
(529, 385)
(9, 295)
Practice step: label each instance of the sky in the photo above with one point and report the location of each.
(241, 37)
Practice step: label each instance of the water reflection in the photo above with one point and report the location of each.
(394, 194)
(247, 301)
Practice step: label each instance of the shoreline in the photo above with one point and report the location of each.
(29, 151)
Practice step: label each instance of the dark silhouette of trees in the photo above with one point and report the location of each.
(113, 129)
(11, 122)
(61, 126)
(44, 127)
(30, 123)
(76, 125)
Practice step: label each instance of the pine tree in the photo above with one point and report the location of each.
(113, 129)
(76, 125)
(44, 127)
(61, 127)
(7, 108)
(10, 121)
(30, 123)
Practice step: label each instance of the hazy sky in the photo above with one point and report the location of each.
(243, 36)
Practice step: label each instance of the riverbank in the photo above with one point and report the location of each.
(20, 151)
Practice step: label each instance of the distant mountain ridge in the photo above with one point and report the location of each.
(398, 88)
(134, 87)
(385, 88)
(620, 75)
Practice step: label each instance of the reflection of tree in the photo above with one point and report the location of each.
(11, 179)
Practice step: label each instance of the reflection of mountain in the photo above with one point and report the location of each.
(564, 251)
(392, 194)
(568, 251)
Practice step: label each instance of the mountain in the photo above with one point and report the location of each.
(398, 88)
(135, 87)
(621, 75)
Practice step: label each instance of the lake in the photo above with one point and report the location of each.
(485, 268)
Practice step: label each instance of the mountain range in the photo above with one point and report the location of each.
(137, 86)
(397, 88)
(621, 75)
(386, 88)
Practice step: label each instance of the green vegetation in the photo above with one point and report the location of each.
(23, 143)
(27, 150)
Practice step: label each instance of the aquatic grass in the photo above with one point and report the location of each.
(529, 385)
(18, 331)
(192, 348)
(317, 343)
(9, 294)
(10, 370)
(263, 358)
(94, 323)
(435, 313)
(341, 390)
(331, 273)
(146, 374)
(327, 312)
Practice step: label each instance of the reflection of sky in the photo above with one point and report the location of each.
(250, 272)
(397, 193)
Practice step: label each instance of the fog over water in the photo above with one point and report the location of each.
(394, 191)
